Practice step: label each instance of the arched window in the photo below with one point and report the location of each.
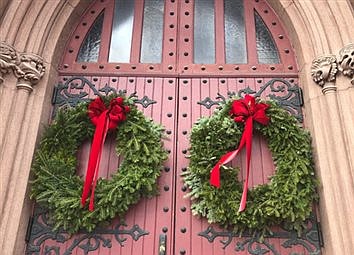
(185, 37)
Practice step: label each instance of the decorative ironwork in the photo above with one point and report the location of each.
(41, 230)
(208, 102)
(75, 90)
(310, 240)
(62, 95)
(291, 101)
(107, 89)
(145, 101)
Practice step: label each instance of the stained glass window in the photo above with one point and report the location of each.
(235, 35)
(122, 31)
(204, 32)
(151, 44)
(90, 47)
(149, 27)
(266, 49)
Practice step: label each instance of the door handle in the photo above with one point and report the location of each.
(162, 244)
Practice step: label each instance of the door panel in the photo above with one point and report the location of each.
(198, 97)
(147, 220)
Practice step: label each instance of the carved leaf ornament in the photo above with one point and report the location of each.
(27, 67)
(346, 61)
(324, 69)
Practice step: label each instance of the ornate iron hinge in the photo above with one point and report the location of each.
(310, 239)
(320, 234)
(63, 94)
(301, 97)
(288, 95)
(162, 244)
(39, 230)
(29, 229)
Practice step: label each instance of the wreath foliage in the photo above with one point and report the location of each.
(57, 187)
(287, 199)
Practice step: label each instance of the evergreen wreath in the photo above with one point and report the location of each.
(57, 187)
(287, 199)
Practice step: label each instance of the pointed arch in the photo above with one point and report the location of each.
(314, 28)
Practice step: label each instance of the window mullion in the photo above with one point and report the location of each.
(204, 31)
(220, 33)
(137, 31)
(106, 32)
(170, 36)
(250, 33)
(185, 39)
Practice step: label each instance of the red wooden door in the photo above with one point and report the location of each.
(194, 235)
(151, 219)
(175, 88)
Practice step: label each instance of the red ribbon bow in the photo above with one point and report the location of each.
(245, 111)
(104, 119)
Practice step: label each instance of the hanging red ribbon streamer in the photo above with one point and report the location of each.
(245, 111)
(104, 119)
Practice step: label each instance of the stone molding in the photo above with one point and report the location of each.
(346, 61)
(27, 67)
(324, 69)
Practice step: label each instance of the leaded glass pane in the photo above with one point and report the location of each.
(90, 47)
(204, 32)
(266, 49)
(151, 45)
(235, 35)
(122, 31)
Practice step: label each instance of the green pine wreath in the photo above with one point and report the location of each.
(287, 199)
(57, 187)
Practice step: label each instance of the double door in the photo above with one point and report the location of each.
(164, 225)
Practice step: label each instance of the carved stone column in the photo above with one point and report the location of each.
(28, 71)
(337, 188)
(8, 61)
(346, 61)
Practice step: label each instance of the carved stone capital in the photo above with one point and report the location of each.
(30, 70)
(8, 59)
(323, 70)
(346, 61)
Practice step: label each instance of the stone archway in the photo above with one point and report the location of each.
(42, 28)
(320, 30)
